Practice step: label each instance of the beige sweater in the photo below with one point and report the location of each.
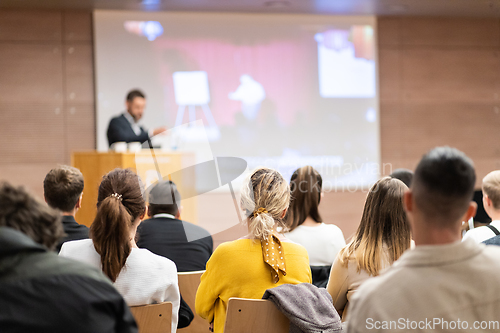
(344, 281)
(431, 285)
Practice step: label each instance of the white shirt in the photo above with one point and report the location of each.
(135, 125)
(431, 284)
(482, 233)
(146, 277)
(322, 242)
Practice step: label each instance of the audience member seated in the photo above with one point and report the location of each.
(491, 203)
(443, 283)
(382, 237)
(187, 245)
(41, 292)
(403, 175)
(140, 276)
(62, 189)
(263, 259)
(322, 241)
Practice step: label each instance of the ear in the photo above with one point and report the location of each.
(79, 202)
(486, 200)
(284, 213)
(178, 215)
(408, 201)
(471, 211)
(44, 198)
(148, 211)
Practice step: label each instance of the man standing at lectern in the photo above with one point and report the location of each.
(126, 128)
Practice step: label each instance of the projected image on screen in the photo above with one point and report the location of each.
(277, 90)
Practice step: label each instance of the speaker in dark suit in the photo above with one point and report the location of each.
(125, 128)
(120, 130)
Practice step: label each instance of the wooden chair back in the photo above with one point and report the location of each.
(254, 315)
(153, 318)
(188, 285)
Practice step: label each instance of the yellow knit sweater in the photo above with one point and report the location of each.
(236, 269)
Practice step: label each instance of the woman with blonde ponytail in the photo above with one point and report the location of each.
(261, 260)
(139, 275)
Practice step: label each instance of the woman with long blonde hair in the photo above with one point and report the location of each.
(382, 237)
(263, 259)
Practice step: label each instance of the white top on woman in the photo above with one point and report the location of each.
(322, 242)
(146, 277)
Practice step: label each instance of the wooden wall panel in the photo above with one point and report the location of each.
(31, 73)
(77, 26)
(29, 25)
(444, 91)
(450, 74)
(439, 32)
(47, 95)
(79, 74)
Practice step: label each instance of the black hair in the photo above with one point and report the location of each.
(443, 184)
(403, 175)
(135, 93)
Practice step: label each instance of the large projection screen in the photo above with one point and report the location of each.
(278, 90)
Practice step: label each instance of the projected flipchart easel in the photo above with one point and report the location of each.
(191, 90)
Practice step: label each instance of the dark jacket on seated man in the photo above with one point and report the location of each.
(73, 230)
(42, 292)
(187, 245)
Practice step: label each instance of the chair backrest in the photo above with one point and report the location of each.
(254, 315)
(188, 285)
(153, 318)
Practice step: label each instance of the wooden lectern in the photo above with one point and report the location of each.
(94, 165)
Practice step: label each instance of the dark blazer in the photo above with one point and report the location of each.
(73, 230)
(119, 129)
(170, 238)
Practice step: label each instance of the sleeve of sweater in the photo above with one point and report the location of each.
(210, 286)
(337, 285)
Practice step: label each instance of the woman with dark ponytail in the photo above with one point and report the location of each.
(139, 275)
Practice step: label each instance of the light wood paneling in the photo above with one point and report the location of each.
(465, 74)
(29, 25)
(444, 91)
(439, 32)
(31, 73)
(41, 121)
(77, 26)
(31, 133)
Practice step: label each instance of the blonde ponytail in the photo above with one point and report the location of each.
(264, 196)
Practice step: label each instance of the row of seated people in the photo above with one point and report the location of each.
(375, 276)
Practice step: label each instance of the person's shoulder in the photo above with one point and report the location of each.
(478, 234)
(117, 119)
(294, 248)
(331, 228)
(495, 240)
(194, 231)
(78, 244)
(146, 257)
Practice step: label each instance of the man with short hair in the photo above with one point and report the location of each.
(63, 188)
(187, 245)
(42, 292)
(491, 204)
(126, 128)
(443, 284)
